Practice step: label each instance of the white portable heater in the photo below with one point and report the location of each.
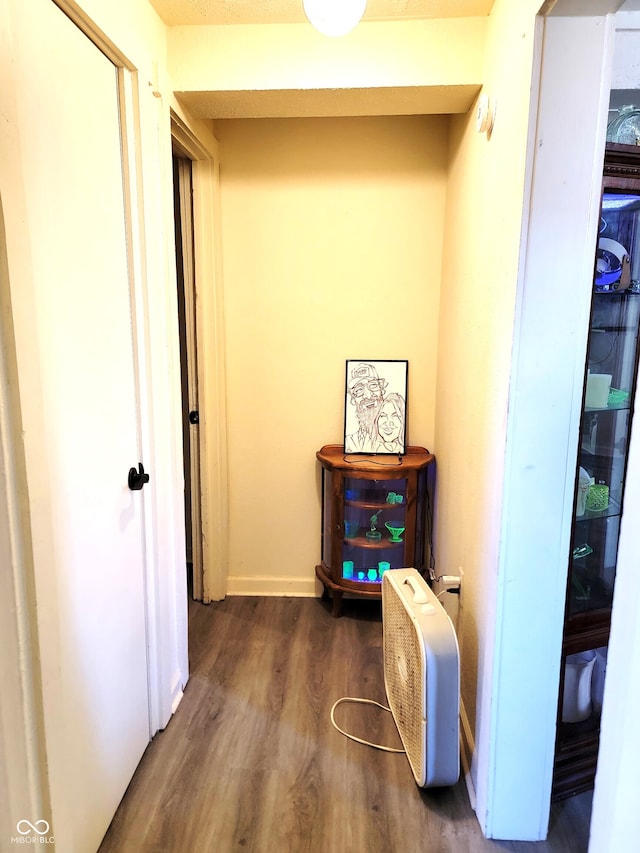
(422, 676)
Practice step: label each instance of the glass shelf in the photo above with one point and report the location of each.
(377, 544)
(614, 509)
(616, 407)
(371, 504)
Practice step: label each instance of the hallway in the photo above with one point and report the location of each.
(251, 762)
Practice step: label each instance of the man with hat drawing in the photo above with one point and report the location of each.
(366, 392)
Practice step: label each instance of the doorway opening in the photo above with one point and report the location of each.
(185, 276)
(196, 198)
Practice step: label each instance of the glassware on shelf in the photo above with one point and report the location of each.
(598, 497)
(396, 529)
(597, 393)
(617, 398)
(584, 482)
(372, 533)
(576, 700)
(351, 528)
(582, 551)
(625, 127)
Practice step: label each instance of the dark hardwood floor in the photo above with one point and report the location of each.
(250, 761)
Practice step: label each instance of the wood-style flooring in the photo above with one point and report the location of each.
(250, 761)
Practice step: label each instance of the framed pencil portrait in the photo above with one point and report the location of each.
(375, 406)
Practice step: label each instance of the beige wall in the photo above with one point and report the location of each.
(413, 66)
(331, 242)
(403, 53)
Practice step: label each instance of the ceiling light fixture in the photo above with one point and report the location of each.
(334, 17)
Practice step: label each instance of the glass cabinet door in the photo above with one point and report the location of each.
(612, 359)
(605, 432)
(375, 520)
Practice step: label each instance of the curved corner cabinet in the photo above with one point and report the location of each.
(374, 516)
(605, 434)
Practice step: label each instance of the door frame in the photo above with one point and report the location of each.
(202, 149)
(562, 200)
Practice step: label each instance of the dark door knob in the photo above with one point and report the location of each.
(194, 417)
(137, 479)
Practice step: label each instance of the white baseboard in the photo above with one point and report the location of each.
(468, 748)
(287, 587)
(177, 691)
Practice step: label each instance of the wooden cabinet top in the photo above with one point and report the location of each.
(333, 457)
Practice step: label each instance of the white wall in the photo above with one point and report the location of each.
(545, 402)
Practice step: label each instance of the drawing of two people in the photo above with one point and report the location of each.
(380, 416)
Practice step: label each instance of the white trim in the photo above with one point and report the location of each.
(134, 223)
(164, 600)
(95, 35)
(292, 587)
(161, 439)
(553, 303)
(467, 751)
(176, 690)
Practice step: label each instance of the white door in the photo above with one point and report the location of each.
(68, 106)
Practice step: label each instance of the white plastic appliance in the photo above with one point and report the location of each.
(422, 676)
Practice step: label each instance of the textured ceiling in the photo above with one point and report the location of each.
(186, 12)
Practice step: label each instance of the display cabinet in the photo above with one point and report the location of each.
(607, 414)
(374, 518)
